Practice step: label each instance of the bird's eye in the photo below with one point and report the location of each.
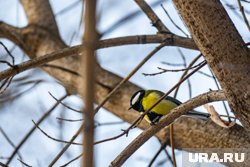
(136, 98)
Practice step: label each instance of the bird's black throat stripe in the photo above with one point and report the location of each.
(154, 117)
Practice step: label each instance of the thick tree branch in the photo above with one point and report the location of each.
(39, 13)
(225, 138)
(224, 51)
(12, 33)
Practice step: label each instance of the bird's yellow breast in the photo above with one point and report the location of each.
(163, 108)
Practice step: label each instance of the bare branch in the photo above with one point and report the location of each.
(163, 70)
(25, 164)
(163, 146)
(74, 159)
(10, 142)
(244, 15)
(66, 147)
(69, 120)
(52, 138)
(9, 53)
(103, 44)
(39, 13)
(70, 7)
(3, 165)
(126, 19)
(87, 88)
(152, 16)
(5, 83)
(70, 108)
(172, 21)
(12, 33)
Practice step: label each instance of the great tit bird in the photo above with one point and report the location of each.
(142, 100)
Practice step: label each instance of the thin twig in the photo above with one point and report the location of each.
(76, 32)
(168, 156)
(188, 80)
(74, 159)
(163, 146)
(2, 157)
(6, 82)
(190, 65)
(69, 120)
(25, 83)
(172, 21)
(171, 130)
(6, 62)
(171, 70)
(126, 18)
(26, 137)
(9, 53)
(20, 94)
(69, 7)
(156, 22)
(52, 138)
(62, 68)
(117, 136)
(244, 15)
(109, 123)
(66, 146)
(245, 1)
(171, 64)
(25, 164)
(205, 74)
(70, 108)
(10, 142)
(218, 87)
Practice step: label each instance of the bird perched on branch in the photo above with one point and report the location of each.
(142, 100)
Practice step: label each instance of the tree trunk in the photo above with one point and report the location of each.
(223, 48)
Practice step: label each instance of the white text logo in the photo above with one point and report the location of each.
(214, 157)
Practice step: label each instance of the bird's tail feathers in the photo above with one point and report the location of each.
(196, 114)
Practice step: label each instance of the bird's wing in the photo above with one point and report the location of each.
(177, 102)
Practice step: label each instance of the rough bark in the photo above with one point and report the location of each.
(223, 48)
(40, 14)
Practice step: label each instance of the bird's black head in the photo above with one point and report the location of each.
(136, 101)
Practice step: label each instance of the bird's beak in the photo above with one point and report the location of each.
(130, 108)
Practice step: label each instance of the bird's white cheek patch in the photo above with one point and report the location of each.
(136, 98)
